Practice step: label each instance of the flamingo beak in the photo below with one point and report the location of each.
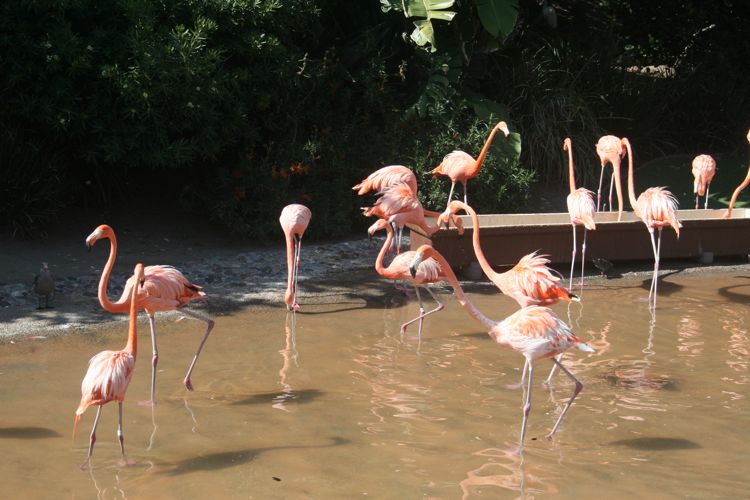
(413, 270)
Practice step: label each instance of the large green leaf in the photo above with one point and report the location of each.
(498, 17)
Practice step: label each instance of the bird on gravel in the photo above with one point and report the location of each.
(44, 286)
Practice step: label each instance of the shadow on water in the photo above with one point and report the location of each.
(27, 433)
(227, 459)
(299, 396)
(657, 443)
(665, 287)
(741, 298)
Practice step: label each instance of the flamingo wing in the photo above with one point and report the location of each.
(582, 208)
(531, 282)
(106, 379)
(657, 207)
(386, 177)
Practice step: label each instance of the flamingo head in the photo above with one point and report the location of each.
(418, 258)
(379, 225)
(566, 144)
(103, 231)
(504, 127)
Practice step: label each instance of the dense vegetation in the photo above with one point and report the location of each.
(236, 107)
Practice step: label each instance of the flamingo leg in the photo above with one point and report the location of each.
(400, 233)
(697, 203)
(92, 438)
(154, 359)
(599, 190)
(186, 381)
(653, 246)
(422, 313)
(708, 187)
(466, 202)
(578, 388)
(527, 404)
(120, 436)
(583, 256)
(572, 258)
(611, 185)
(450, 195)
(553, 371)
(656, 265)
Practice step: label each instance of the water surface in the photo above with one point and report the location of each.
(336, 404)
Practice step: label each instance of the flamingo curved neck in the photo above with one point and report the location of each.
(462, 299)
(289, 265)
(483, 262)
(379, 268)
(631, 181)
(132, 345)
(109, 306)
(485, 148)
(571, 170)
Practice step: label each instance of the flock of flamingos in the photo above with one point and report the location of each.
(534, 330)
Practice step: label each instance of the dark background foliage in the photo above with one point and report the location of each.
(234, 108)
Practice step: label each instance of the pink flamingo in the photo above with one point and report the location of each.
(294, 220)
(534, 331)
(459, 166)
(109, 374)
(400, 206)
(530, 282)
(704, 169)
(739, 189)
(610, 150)
(386, 177)
(656, 208)
(166, 289)
(428, 272)
(581, 208)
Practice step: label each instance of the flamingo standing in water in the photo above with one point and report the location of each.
(109, 374)
(534, 331)
(428, 272)
(530, 282)
(294, 220)
(166, 289)
(656, 208)
(581, 208)
(610, 150)
(459, 166)
(739, 189)
(704, 169)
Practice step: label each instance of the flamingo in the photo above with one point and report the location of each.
(294, 220)
(109, 374)
(610, 150)
(739, 189)
(387, 177)
(534, 331)
(166, 289)
(704, 169)
(400, 206)
(459, 166)
(581, 208)
(656, 208)
(398, 269)
(530, 282)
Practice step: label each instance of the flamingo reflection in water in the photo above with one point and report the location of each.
(533, 331)
(289, 355)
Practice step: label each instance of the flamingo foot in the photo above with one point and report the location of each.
(85, 467)
(188, 384)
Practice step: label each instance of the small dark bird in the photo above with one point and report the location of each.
(44, 286)
(603, 265)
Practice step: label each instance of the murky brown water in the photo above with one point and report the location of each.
(343, 407)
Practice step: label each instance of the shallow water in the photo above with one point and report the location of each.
(338, 405)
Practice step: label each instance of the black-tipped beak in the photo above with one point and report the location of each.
(369, 237)
(447, 225)
(143, 282)
(88, 246)
(413, 271)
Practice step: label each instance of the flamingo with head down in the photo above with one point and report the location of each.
(294, 220)
(534, 331)
(704, 169)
